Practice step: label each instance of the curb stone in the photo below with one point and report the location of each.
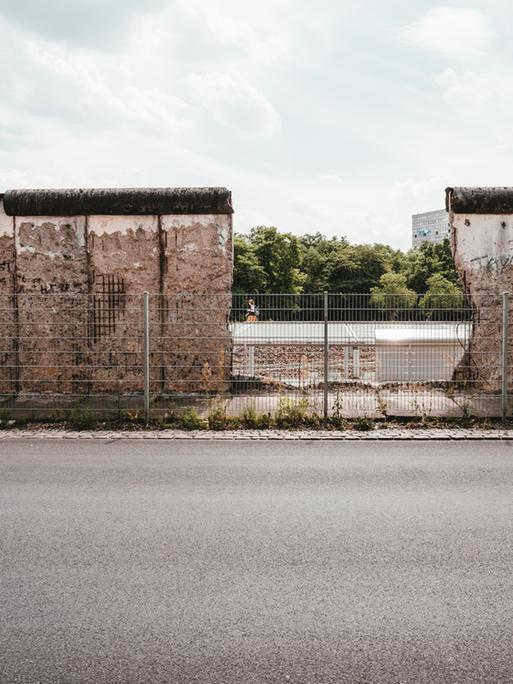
(288, 435)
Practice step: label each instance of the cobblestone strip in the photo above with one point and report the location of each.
(316, 435)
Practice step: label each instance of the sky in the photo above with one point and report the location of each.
(338, 116)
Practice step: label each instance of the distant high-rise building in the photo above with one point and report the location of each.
(431, 226)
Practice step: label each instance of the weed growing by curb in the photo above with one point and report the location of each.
(290, 415)
(191, 420)
(364, 424)
(78, 419)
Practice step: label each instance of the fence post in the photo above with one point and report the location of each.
(348, 351)
(356, 363)
(504, 360)
(251, 361)
(326, 353)
(146, 356)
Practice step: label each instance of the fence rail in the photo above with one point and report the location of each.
(343, 354)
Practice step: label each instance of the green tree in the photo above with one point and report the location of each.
(268, 261)
(424, 261)
(279, 255)
(392, 295)
(442, 295)
(315, 263)
(355, 268)
(249, 275)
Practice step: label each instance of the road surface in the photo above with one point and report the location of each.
(256, 562)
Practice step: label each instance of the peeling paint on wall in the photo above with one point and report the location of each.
(123, 263)
(51, 265)
(206, 270)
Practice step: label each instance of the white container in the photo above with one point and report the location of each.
(423, 353)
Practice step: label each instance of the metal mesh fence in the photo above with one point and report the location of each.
(337, 354)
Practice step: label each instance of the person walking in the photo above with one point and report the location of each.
(251, 312)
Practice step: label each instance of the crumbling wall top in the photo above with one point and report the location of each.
(479, 200)
(117, 201)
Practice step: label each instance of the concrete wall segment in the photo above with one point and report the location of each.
(482, 241)
(78, 286)
(52, 291)
(124, 262)
(196, 288)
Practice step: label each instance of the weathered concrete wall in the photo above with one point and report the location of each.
(52, 286)
(482, 240)
(185, 263)
(8, 334)
(124, 262)
(196, 340)
(80, 280)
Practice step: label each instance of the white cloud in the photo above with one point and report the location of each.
(450, 32)
(233, 101)
(477, 89)
(262, 42)
(214, 32)
(46, 80)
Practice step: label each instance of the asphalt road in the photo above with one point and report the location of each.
(256, 562)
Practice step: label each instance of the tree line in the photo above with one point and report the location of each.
(270, 261)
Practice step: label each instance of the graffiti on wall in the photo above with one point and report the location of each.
(493, 263)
